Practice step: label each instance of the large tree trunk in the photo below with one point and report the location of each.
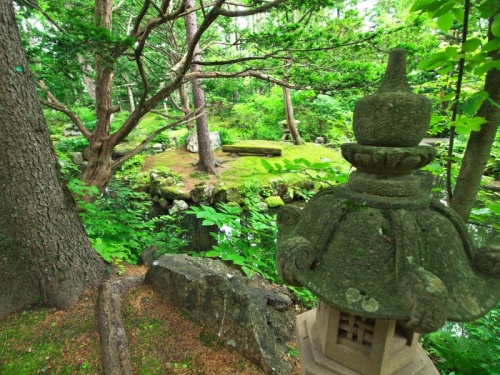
(45, 255)
(100, 167)
(479, 146)
(207, 159)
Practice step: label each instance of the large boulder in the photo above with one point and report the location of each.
(192, 141)
(254, 318)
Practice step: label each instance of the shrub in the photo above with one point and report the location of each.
(467, 348)
(118, 224)
(227, 136)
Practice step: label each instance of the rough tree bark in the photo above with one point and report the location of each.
(45, 255)
(99, 169)
(206, 156)
(479, 145)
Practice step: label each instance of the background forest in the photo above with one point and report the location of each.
(118, 77)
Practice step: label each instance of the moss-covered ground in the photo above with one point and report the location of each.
(236, 170)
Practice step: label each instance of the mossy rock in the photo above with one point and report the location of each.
(141, 183)
(161, 180)
(229, 194)
(274, 201)
(122, 149)
(173, 193)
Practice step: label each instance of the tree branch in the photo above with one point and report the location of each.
(238, 60)
(175, 104)
(161, 94)
(164, 115)
(46, 15)
(244, 73)
(294, 50)
(58, 106)
(140, 16)
(118, 6)
(240, 13)
(118, 162)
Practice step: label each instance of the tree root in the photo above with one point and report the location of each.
(115, 357)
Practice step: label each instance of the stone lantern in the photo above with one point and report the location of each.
(385, 259)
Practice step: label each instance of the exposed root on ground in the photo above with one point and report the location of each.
(115, 356)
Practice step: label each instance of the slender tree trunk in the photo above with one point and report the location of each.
(479, 146)
(88, 81)
(207, 159)
(289, 117)
(185, 104)
(130, 92)
(45, 255)
(287, 99)
(130, 98)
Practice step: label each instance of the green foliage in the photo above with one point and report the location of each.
(486, 212)
(247, 241)
(467, 348)
(475, 52)
(323, 173)
(118, 225)
(323, 116)
(73, 144)
(227, 136)
(260, 117)
(183, 140)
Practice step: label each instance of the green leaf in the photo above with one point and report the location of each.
(495, 26)
(421, 5)
(266, 165)
(491, 45)
(445, 69)
(451, 51)
(471, 45)
(445, 22)
(495, 208)
(474, 102)
(458, 13)
(445, 8)
(484, 68)
(450, 96)
(469, 123)
(431, 64)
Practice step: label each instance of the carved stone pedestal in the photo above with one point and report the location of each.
(333, 342)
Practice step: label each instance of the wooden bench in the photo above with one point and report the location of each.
(254, 150)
